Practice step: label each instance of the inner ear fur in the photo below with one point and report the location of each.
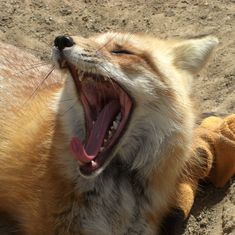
(192, 54)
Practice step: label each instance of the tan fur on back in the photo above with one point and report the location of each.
(41, 187)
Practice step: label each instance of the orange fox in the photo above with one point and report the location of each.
(105, 150)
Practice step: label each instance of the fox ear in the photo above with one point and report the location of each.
(192, 54)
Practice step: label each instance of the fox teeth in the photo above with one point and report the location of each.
(90, 79)
(101, 149)
(94, 164)
(110, 134)
(115, 125)
(105, 140)
(105, 78)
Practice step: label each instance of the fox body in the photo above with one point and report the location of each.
(102, 151)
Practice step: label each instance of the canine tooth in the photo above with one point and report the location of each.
(115, 125)
(105, 78)
(93, 122)
(101, 149)
(105, 140)
(82, 78)
(94, 164)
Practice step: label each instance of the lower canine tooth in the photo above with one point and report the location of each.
(93, 163)
(101, 149)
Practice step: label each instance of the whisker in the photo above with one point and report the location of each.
(67, 100)
(26, 66)
(39, 85)
(62, 114)
(29, 64)
(110, 80)
(32, 67)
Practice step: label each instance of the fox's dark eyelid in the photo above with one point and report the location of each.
(121, 51)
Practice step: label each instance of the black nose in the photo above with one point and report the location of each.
(63, 41)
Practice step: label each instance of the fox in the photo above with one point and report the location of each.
(103, 144)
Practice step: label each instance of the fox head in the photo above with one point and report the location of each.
(128, 99)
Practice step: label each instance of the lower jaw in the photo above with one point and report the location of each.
(105, 158)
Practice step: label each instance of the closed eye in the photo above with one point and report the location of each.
(122, 52)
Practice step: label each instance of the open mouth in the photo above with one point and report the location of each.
(107, 109)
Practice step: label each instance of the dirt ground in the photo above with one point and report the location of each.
(33, 24)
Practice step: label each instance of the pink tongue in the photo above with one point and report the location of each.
(95, 140)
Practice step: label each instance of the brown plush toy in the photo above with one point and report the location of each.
(213, 158)
(217, 137)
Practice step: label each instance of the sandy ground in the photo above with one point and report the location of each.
(33, 24)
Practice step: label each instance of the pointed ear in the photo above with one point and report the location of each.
(192, 54)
